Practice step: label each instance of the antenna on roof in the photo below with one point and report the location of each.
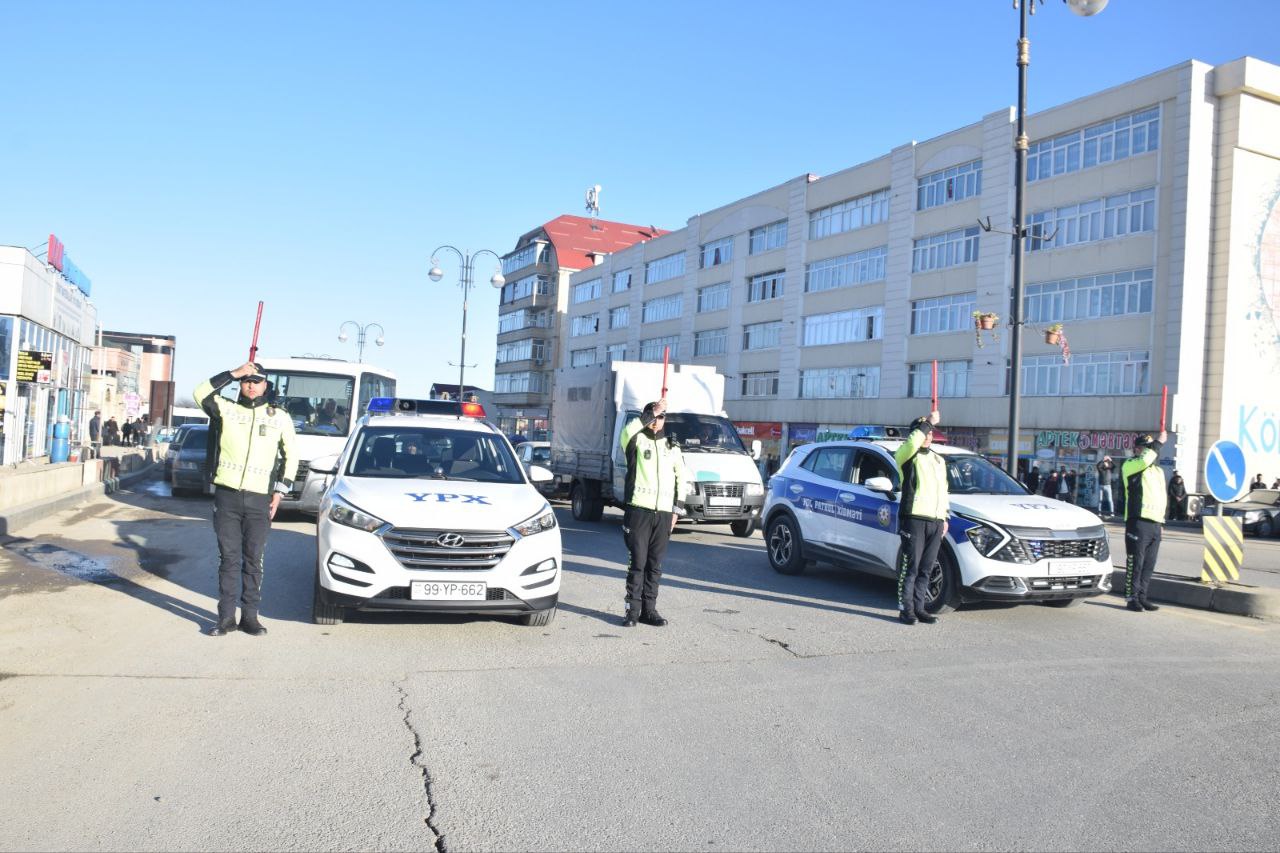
(593, 205)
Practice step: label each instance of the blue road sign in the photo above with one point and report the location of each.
(1224, 471)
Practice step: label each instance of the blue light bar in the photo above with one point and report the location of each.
(380, 404)
(408, 406)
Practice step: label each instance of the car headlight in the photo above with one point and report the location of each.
(1253, 515)
(544, 520)
(754, 489)
(348, 516)
(985, 538)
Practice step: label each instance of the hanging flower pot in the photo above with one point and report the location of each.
(1053, 334)
(985, 320)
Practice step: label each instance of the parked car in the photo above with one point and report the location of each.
(1260, 510)
(190, 473)
(532, 453)
(175, 443)
(837, 501)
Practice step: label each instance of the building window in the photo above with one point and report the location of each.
(664, 268)
(716, 253)
(940, 251)
(943, 314)
(827, 382)
(948, 185)
(582, 357)
(1092, 297)
(845, 270)
(525, 287)
(622, 281)
(766, 286)
(662, 308)
(651, 349)
(616, 352)
(1127, 136)
(522, 350)
(522, 319)
(710, 342)
(761, 335)
(1088, 374)
(587, 324)
(525, 382)
(1100, 219)
(842, 327)
(953, 379)
(768, 237)
(760, 384)
(848, 215)
(714, 297)
(521, 258)
(620, 317)
(586, 291)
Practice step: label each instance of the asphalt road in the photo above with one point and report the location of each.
(773, 713)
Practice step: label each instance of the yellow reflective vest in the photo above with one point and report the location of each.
(924, 478)
(1145, 493)
(250, 440)
(655, 469)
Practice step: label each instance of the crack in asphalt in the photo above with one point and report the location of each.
(784, 645)
(416, 761)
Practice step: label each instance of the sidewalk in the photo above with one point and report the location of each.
(30, 490)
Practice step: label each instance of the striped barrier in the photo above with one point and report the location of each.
(1223, 548)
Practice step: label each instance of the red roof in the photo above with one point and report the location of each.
(577, 238)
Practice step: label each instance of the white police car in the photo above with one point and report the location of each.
(428, 509)
(837, 501)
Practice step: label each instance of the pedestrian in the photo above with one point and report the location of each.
(654, 498)
(922, 517)
(1258, 483)
(1177, 498)
(1071, 487)
(126, 433)
(1033, 478)
(1062, 484)
(95, 433)
(248, 486)
(1142, 483)
(1276, 484)
(111, 432)
(1106, 469)
(1050, 486)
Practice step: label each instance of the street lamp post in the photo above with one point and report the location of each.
(360, 336)
(1084, 8)
(465, 282)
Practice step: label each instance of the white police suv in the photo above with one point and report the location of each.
(837, 501)
(429, 509)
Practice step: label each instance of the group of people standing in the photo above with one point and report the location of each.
(133, 433)
(1061, 485)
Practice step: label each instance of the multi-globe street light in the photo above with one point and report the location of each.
(360, 336)
(465, 281)
(1084, 8)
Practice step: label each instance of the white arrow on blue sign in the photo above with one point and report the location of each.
(1224, 470)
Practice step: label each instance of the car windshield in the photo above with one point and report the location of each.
(196, 439)
(541, 454)
(319, 403)
(433, 453)
(1268, 497)
(699, 433)
(973, 475)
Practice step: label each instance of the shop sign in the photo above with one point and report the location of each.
(834, 432)
(1073, 440)
(57, 257)
(998, 442)
(34, 366)
(962, 437)
(764, 430)
(803, 432)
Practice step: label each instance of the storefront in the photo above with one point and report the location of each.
(769, 434)
(526, 424)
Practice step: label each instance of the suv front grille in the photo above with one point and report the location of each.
(1054, 549)
(721, 490)
(1047, 584)
(422, 549)
(300, 479)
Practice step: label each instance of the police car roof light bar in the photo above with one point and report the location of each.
(408, 406)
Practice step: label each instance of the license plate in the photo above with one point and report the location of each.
(447, 591)
(1072, 567)
(713, 500)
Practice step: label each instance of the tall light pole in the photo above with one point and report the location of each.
(465, 281)
(360, 335)
(1084, 8)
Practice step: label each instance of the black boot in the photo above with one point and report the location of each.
(250, 625)
(652, 618)
(1134, 606)
(224, 627)
(926, 618)
(906, 618)
(629, 620)
(1147, 605)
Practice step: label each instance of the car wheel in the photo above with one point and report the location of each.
(1062, 602)
(785, 546)
(586, 505)
(944, 584)
(539, 618)
(322, 612)
(1266, 528)
(743, 528)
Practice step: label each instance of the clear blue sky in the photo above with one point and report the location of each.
(197, 157)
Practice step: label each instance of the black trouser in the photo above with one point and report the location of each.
(241, 521)
(647, 533)
(921, 539)
(1141, 545)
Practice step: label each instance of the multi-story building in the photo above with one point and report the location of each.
(532, 310)
(142, 367)
(1155, 241)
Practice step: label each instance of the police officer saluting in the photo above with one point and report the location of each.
(922, 517)
(654, 492)
(251, 433)
(1145, 501)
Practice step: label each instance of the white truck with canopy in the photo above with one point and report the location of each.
(592, 404)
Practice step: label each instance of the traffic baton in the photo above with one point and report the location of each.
(1164, 403)
(935, 385)
(666, 354)
(253, 347)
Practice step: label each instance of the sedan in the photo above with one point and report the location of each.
(1259, 510)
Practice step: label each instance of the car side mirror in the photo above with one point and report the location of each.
(880, 484)
(325, 465)
(539, 474)
(756, 449)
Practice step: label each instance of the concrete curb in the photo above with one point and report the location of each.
(1236, 599)
(27, 513)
